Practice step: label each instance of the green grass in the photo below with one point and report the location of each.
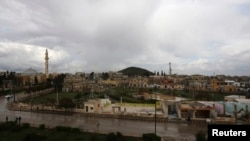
(140, 104)
(43, 98)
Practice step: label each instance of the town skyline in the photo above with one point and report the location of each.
(168, 72)
(197, 37)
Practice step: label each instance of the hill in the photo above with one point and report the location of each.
(135, 71)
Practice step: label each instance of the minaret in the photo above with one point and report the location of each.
(46, 64)
(170, 69)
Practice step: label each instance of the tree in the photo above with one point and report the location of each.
(49, 82)
(36, 80)
(92, 76)
(78, 96)
(58, 82)
(78, 99)
(105, 75)
(158, 73)
(66, 103)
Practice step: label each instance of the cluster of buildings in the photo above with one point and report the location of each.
(79, 82)
(28, 78)
(232, 109)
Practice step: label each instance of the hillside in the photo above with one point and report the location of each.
(135, 71)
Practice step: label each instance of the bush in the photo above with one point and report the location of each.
(200, 136)
(10, 126)
(42, 126)
(63, 129)
(76, 130)
(93, 138)
(111, 137)
(7, 125)
(150, 137)
(34, 137)
(116, 137)
(119, 135)
(26, 125)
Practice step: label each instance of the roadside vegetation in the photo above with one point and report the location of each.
(11, 131)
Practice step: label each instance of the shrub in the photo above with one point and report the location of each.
(119, 134)
(34, 137)
(76, 130)
(16, 128)
(7, 125)
(59, 128)
(150, 137)
(63, 129)
(115, 137)
(10, 126)
(42, 126)
(200, 136)
(111, 137)
(26, 125)
(93, 138)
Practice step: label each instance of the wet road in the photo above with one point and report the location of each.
(126, 127)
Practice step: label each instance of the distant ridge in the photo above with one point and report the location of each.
(136, 71)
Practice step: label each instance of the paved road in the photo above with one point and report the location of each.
(126, 127)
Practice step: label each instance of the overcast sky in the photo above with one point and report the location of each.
(197, 36)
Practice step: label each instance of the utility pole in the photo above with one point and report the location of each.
(46, 64)
(55, 83)
(155, 109)
(170, 69)
(57, 101)
(11, 91)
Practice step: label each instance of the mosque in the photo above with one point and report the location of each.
(31, 77)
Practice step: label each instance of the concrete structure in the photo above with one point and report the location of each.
(96, 105)
(138, 82)
(109, 82)
(231, 98)
(193, 109)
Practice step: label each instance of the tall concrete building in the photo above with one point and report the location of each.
(47, 63)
